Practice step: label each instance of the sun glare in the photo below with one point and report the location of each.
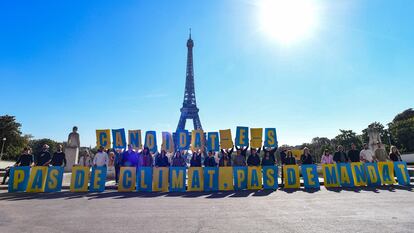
(288, 21)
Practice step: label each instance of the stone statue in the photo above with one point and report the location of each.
(72, 149)
(374, 137)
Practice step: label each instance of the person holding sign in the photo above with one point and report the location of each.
(327, 157)
(196, 159)
(242, 150)
(44, 158)
(395, 154)
(178, 160)
(306, 157)
(380, 154)
(340, 156)
(225, 160)
(254, 158)
(147, 160)
(130, 158)
(366, 154)
(269, 157)
(101, 158)
(240, 158)
(59, 158)
(290, 158)
(210, 161)
(24, 160)
(161, 160)
(353, 154)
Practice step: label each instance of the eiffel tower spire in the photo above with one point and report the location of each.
(189, 109)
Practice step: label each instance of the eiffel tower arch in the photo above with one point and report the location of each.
(189, 109)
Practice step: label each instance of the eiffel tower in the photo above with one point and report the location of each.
(189, 109)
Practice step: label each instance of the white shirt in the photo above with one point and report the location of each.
(101, 159)
(366, 155)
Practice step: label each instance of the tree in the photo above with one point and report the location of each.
(319, 144)
(380, 127)
(37, 145)
(15, 141)
(407, 114)
(346, 138)
(402, 130)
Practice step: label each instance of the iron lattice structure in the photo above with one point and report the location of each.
(189, 109)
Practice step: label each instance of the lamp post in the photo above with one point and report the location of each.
(2, 147)
(389, 138)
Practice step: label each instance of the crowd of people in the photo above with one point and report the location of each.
(130, 157)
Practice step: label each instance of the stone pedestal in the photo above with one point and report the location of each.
(72, 154)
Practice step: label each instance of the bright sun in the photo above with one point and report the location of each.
(288, 21)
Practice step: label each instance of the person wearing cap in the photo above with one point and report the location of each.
(306, 157)
(353, 154)
(59, 158)
(380, 154)
(366, 155)
(101, 158)
(25, 159)
(254, 158)
(44, 157)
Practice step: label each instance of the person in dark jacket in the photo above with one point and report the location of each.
(268, 158)
(395, 154)
(290, 159)
(282, 160)
(161, 160)
(271, 152)
(44, 158)
(59, 158)
(118, 163)
(196, 159)
(242, 151)
(178, 160)
(225, 159)
(254, 158)
(210, 161)
(306, 157)
(24, 160)
(130, 158)
(353, 154)
(340, 156)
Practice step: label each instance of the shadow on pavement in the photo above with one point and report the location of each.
(66, 195)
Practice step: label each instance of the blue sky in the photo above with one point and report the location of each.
(121, 64)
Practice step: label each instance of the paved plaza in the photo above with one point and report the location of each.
(385, 209)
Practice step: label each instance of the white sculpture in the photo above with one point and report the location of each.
(72, 149)
(374, 137)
